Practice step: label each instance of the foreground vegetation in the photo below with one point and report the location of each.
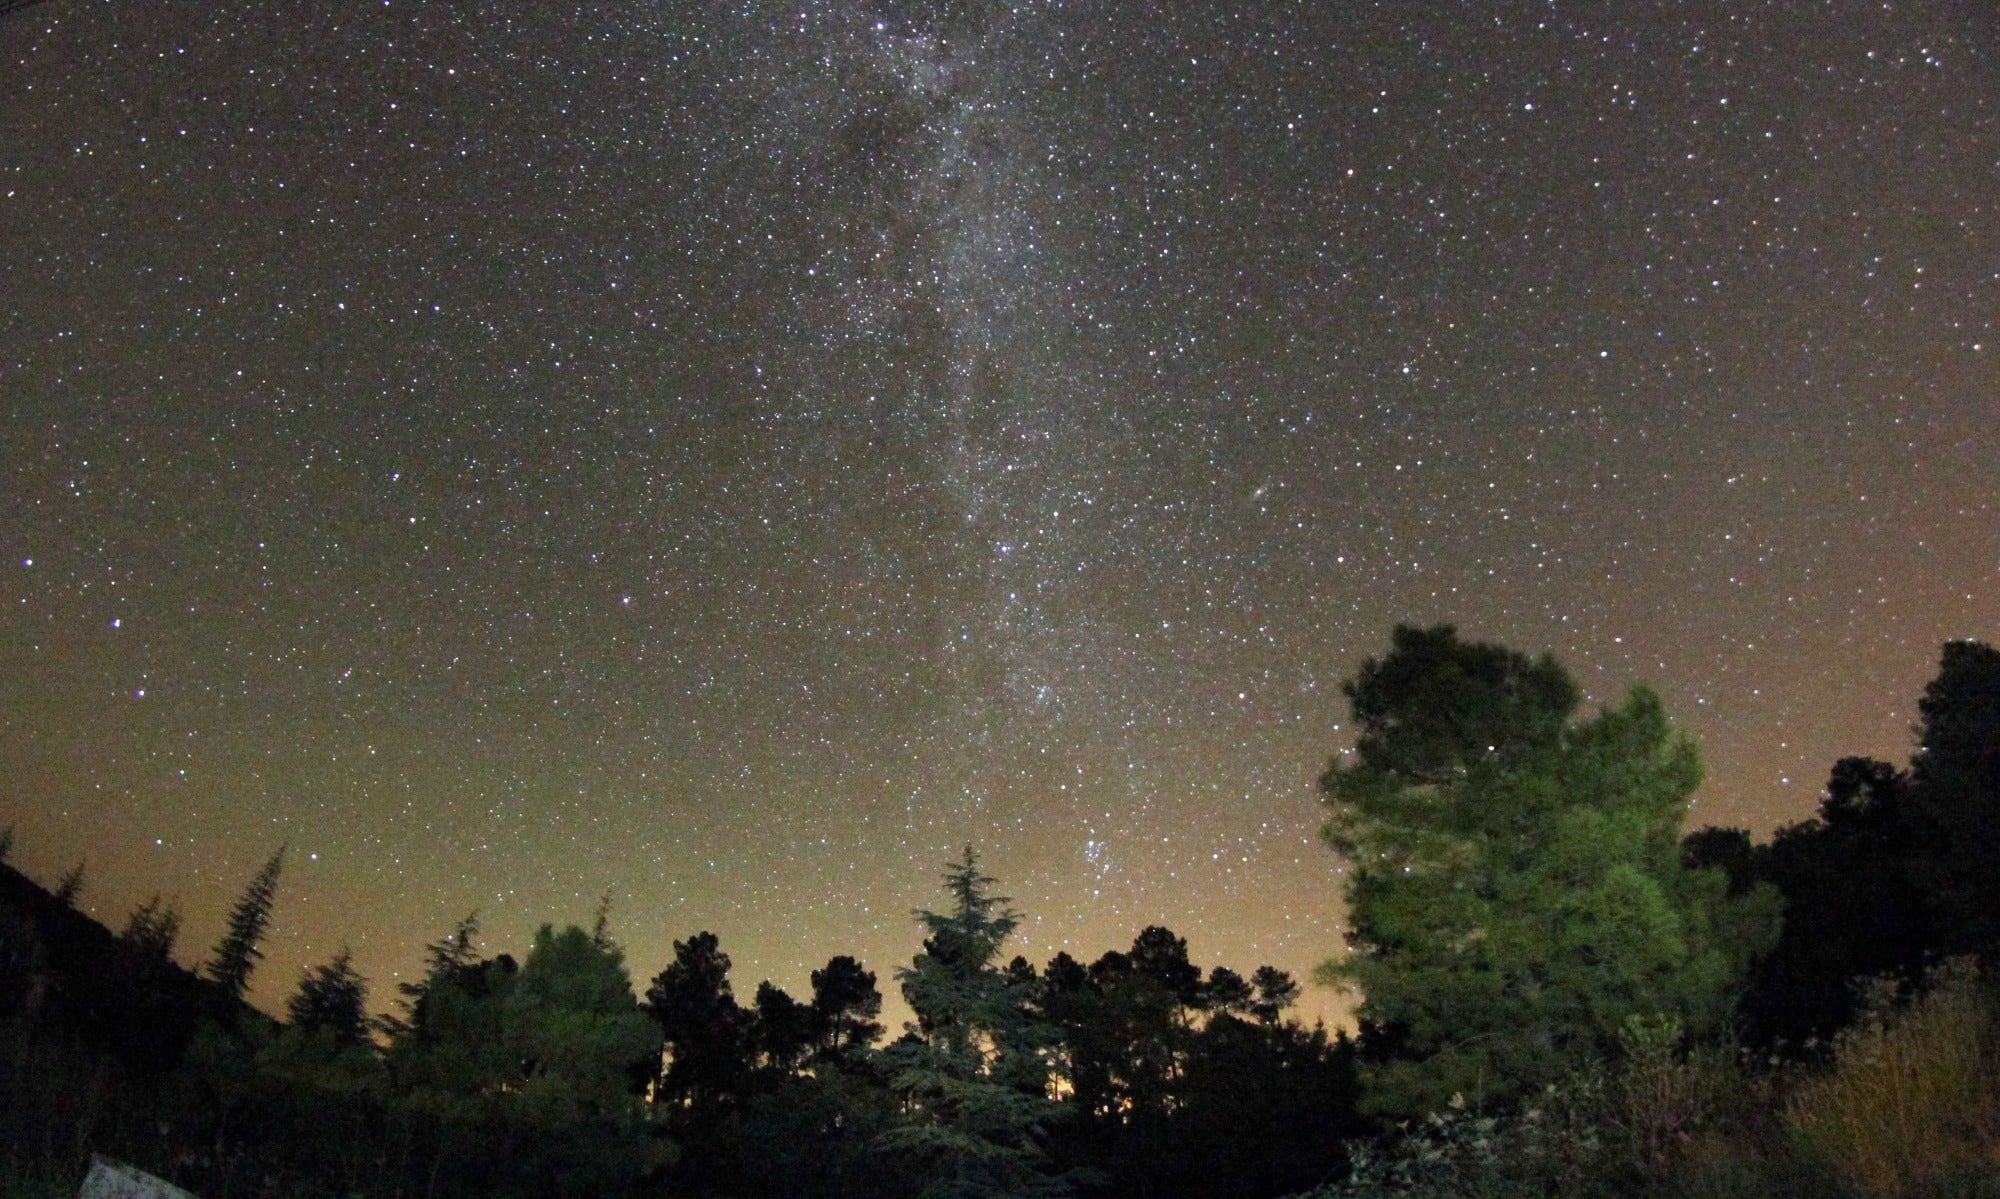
(1561, 995)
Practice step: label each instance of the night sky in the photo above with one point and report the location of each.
(732, 456)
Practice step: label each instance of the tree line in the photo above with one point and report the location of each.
(1530, 927)
(550, 1074)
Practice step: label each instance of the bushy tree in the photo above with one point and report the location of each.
(1129, 1029)
(572, 1022)
(1227, 992)
(332, 999)
(1895, 870)
(1850, 909)
(1276, 991)
(707, 1033)
(785, 1029)
(531, 1074)
(845, 1004)
(1515, 888)
(444, 959)
(1955, 797)
(1175, 1094)
(448, 1049)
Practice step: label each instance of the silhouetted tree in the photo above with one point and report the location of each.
(1955, 794)
(1516, 890)
(1226, 991)
(1261, 1110)
(706, 1031)
(332, 999)
(69, 886)
(444, 959)
(1135, 1034)
(237, 954)
(1159, 955)
(150, 932)
(1850, 909)
(1176, 1096)
(448, 1049)
(600, 923)
(1726, 849)
(1897, 868)
(785, 1029)
(972, 1068)
(845, 1002)
(1276, 991)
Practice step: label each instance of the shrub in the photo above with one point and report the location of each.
(1912, 1103)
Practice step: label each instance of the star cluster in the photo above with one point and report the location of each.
(727, 457)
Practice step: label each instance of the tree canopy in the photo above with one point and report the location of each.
(1515, 889)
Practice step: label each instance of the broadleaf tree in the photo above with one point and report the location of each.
(1515, 887)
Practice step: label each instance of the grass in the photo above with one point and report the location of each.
(1911, 1106)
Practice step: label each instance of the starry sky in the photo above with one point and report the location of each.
(730, 456)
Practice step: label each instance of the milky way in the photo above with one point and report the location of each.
(731, 457)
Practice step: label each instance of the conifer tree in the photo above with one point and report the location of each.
(573, 1023)
(237, 954)
(445, 959)
(707, 1033)
(1276, 991)
(333, 997)
(845, 1004)
(1516, 892)
(151, 930)
(69, 886)
(600, 924)
(973, 1069)
(1955, 793)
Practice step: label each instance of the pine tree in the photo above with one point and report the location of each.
(1955, 791)
(600, 924)
(845, 1004)
(236, 955)
(1276, 991)
(707, 1033)
(333, 997)
(973, 1069)
(1516, 891)
(572, 1020)
(444, 959)
(151, 930)
(69, 886)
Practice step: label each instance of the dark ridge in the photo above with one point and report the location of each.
(66, 973)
